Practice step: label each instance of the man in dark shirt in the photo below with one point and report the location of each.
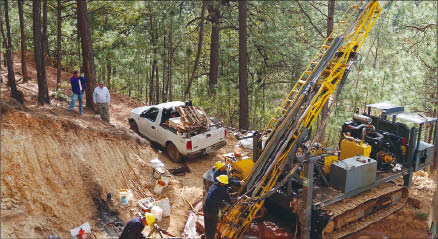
(216, 196)
(221, 169)
(133, 229)
(78, 88)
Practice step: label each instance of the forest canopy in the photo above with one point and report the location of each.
(175, 50)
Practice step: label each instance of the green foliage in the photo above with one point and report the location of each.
(398, 61)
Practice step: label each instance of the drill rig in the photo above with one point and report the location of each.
(286, 159)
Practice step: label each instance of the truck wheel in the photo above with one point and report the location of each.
(173, 153)
(133, 126)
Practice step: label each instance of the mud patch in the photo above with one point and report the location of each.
(107, 218)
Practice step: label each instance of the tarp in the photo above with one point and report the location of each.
(75, 231)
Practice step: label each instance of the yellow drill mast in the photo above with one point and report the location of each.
(294, 118)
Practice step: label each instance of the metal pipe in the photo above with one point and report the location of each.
(411, 154)
(306, 211)
(362, 118)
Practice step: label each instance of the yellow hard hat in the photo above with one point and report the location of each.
(150, 218)
(219, 165)
(222, 179)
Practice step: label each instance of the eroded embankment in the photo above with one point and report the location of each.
(54, 173)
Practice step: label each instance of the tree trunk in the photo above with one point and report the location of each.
(78, 45)
(40, 62)
(108, 69)
(146, 82)
(10, 59)
(45, 38)
(198, 53)
(129, 83)
(3, 42)
(138, 83)
(1, 48)
(154, 62)
(170, 61)
(23, 42)
(325, 109)
(151, 84)
(5, 45)
(331, 13)
(103, 73)
(163, 60)
(243, 68)
(58, 44)
(214, 13)
(87, 51)
(157, 84)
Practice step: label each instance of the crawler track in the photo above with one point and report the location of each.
(353, 214)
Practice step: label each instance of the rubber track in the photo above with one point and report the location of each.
(354, 202)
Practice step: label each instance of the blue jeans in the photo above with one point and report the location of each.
(74, 98)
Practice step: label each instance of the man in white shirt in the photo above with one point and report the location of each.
(101, 97)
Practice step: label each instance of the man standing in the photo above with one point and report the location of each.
(216, 196)
(101, 98)
(133, 228)
(78, 88)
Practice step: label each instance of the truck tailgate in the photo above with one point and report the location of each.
(207, 139)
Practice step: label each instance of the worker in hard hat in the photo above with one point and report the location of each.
(221, 169)
(216, 198)
(133, 228)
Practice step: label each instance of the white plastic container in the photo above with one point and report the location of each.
(165, 180)
(158, 189)
(158, 212)
(164, 204)
(129, 196)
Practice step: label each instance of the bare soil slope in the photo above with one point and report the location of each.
(58, 166)
(55, 173)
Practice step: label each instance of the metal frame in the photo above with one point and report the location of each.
(305, 214)
(407, 172)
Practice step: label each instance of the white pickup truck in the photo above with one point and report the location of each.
(150, 121)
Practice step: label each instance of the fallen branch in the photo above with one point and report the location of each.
(191, 206)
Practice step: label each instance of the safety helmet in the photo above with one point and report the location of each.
(219, 165)
(150, 218)
(222, 179)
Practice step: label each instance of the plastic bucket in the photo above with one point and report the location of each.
(158, 189)
(158, 212)
(164, 204)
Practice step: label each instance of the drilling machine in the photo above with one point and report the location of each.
(356, 185)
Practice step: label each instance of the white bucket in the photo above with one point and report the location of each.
(158, 189)
(158, 212)
(165, 180)
(129, 195)
(165, 205)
